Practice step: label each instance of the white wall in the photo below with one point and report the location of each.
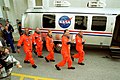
(20, 6)
(1, 2)
(16, 8)
(1, 14)
(113, 3)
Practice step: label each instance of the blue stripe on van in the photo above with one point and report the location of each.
(103, 35)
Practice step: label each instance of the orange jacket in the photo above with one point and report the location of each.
(49, 43)
(38, 39)
(27, 40)
(65, 46)
(79, 44)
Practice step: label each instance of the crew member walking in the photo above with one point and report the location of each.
(79, 48)
(27, 39)
(50, 47)
(65, 51)
(39, 42)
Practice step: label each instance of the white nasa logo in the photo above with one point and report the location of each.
(64, 21)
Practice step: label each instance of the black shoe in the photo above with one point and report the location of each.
(81, 63)
(71, 67)
(26, 61)
(13, 51)
(34, 66)
(35, 52)
(72, 58)
(46, 59)
(57, 67)
(8, 45)
(52, 60)
(40, 56)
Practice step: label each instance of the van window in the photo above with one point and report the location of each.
(48, 21)
(81, 22)
(99, 23)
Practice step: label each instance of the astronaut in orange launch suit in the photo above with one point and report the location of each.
(27, 40)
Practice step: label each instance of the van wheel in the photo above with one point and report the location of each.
(58, 48)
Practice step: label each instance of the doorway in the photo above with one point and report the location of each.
(116, 34)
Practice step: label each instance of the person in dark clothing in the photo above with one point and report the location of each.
(8, 38)
(10, 28)
(20, 28)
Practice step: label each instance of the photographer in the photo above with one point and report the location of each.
(7, 61)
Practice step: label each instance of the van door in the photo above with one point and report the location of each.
(115, 45)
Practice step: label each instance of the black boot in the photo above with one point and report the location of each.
(71, 67)
(14, 51)
(8, 45)
(52, 60)
(72, 58)
(81, 63)
(46, 59)
(40, 56)
(35, 52)
(57, 67)
(26, 61)
(34, 66)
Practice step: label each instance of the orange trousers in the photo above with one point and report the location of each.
(50, 56)
(79, 55)
(66, 59)
(39, 51)
(29, 57)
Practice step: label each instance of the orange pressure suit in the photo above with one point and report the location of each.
(39, 43)
(50, 47)
(27, 41)
(79, 48)
(65, 51)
